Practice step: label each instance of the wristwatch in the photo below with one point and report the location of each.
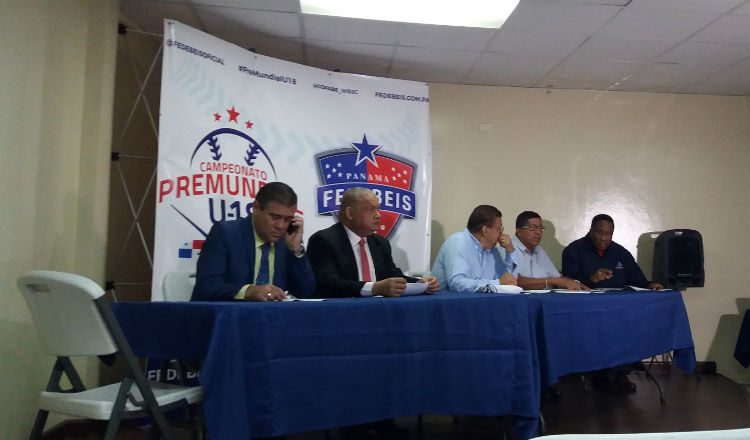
(300, 251)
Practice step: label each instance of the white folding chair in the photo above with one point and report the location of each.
(178, 286)
(73, 319)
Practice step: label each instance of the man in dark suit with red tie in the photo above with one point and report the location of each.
(259, 257)
(350, 260)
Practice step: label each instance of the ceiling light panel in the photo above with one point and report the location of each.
(468, 13)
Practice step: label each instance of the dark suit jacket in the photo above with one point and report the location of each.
(334, 266)
(227, 262)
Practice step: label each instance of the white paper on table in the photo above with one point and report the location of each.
(571, 291)
(504, 288)
(537, 291)
(414, 289)
(290, 297)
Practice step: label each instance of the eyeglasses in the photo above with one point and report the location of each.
(533, 228)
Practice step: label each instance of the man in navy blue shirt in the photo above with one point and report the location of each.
(601, 262)
(598, 261)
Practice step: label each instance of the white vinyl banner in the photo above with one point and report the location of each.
(232, 121)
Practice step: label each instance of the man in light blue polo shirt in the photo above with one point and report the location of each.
(531, 264)
(469, 260)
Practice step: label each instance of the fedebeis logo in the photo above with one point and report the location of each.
(366, 165)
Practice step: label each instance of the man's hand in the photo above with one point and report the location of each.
(433, 285)
(505, 241)
(389, 287)
(294, 239)
(508, 279)
(600, 275)
(655, 286)
(570, 284)
(265, 292)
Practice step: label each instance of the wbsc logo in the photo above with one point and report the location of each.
(390, 177)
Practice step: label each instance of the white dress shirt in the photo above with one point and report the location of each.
(354, 242)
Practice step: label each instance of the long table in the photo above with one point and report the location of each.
(279, 368)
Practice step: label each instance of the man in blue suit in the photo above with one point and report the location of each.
(247, 259)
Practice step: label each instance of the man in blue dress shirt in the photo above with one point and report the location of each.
(532, 265)
(469, 260)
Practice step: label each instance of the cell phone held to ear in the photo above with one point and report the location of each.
(292, 228)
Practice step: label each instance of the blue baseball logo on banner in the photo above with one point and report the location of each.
(225, 173)
(389, 176)
(227, 168)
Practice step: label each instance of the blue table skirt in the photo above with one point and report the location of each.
(279, 368)
(585, 332)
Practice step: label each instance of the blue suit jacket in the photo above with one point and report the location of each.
(227, 262)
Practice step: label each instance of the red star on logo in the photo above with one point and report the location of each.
(217, 117)
(248, 124)
(233, 115)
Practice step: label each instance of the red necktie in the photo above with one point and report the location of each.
(365, 263)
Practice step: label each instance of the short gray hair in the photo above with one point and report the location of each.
(354, 195)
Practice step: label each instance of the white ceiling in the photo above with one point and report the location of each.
(676, 46)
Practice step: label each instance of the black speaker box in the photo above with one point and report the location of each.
(678, 259)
